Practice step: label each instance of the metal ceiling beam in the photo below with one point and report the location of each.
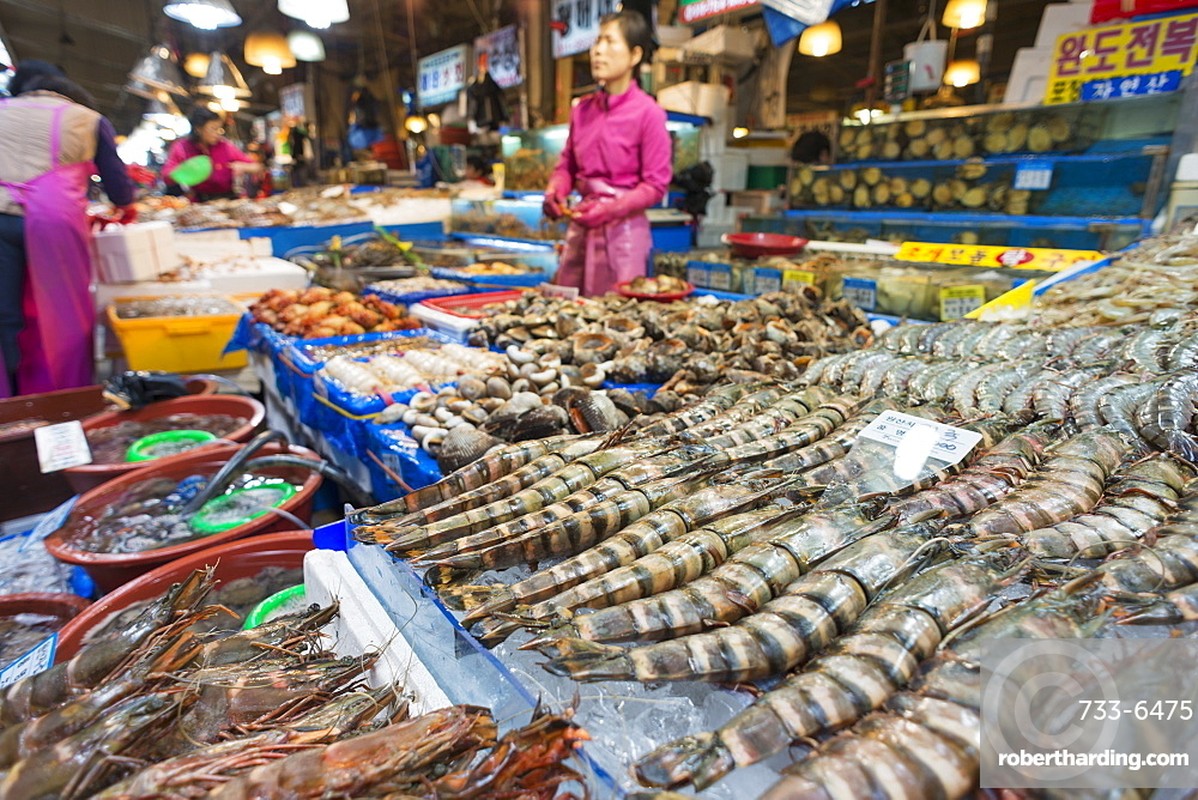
(82, 55)
(92, 23)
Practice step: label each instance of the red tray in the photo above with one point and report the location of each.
(467, 305)
(663, 297)
(755, 245)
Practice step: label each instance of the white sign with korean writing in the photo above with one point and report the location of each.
(442, 75)
(943, 442)
(61, 446)
(39, 659)
(503, 55)
(575, 24)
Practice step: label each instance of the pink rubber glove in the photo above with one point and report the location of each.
(604, 211)
(554, 206)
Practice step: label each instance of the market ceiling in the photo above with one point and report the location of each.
(98, 42)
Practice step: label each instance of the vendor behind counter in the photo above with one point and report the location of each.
(207, 138)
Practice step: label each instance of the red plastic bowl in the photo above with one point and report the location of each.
(110, 570)
(756, 245)
(662, 297)
(248, 409)
(233, 560)
(51, 604)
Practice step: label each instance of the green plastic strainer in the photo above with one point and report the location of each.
(239, 507)
(280, 603)
(166, 443)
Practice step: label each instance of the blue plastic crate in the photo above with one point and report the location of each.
(391, 452)
(412, 298)
(672, 238)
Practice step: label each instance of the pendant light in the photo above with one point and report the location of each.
(162, 111)
(158, 70)
(207, 15)
(305, 46)
(963, 72)
(196, 64)
(269, 50)
(964, 14)
(223, 80)
(317, 13)
(821, 40)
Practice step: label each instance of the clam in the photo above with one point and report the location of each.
(550, 388)
(594, 411)
(592, 375)
(666, 401)
(498, 387)
(458, 405)
(476, 415)
(463, 445)
(409, 416)
(443, 414)
(392, 413)
(666, 357)
(631, 403)
(543, 376)
(630, 369)
(518, 355)
(425, 433)
(590, 348)
(426, 420)
(471, 387)
(539, 423)
(423, 401)
(521, 385)
(492, 404)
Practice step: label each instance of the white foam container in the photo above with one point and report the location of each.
(453, 326)
(137, 252)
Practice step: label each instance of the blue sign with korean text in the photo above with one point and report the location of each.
(1131, 85)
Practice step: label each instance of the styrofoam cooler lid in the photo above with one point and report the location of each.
(1187, 168)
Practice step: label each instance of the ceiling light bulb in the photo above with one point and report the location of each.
(821, 40)
(740, 133)
(206, 15)
(964, 14)
(305, 46)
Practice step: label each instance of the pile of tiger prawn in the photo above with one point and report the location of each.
(752, 537)
(156, 710)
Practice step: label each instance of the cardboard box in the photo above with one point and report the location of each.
(693, 97)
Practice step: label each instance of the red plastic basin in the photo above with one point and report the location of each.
(51, 604)
(233, 560)
(756, 245)
(248, 409)
(111, 570)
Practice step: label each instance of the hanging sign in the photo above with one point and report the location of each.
(897, 85)
(575, 24)
(292, 100)
(694, 10)
(503, 55)
(979, 255)
(1134, 58)
(811, 12)
(442, 75)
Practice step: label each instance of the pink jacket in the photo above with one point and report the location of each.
(618, 140)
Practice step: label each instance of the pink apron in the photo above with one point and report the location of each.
(595, 260)
(60, 317)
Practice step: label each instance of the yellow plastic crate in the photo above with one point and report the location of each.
(185, 344)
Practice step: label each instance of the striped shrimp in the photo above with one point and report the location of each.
(715, 403)
(1068, 483)
(1141, 350)
(769, 421)
(919, 389)
(1051, 399)
(1184, 354)
(570, 533)
(1083, 405)
(1137, 498)
(573, 492)
(870, 364)
(993, 391)
(834, 445)
(739, 586)
(995, 473)
(532, 473)
(1026, 344)
(875, 374)
(1102, 346)
(834, 372)
(729, 416)
(784, 632)
(947, 346)
(570, 478)
(1169, 608)
(963, 393)
(1118, 408)
(1165, 420)
(681, 561)
(497, 463)
(937, 391)
(641, 537)
(989, 345)
(926, 741)
(803, 432)
(858, 674)
(897, 378)
(1171, 563)
(816, 369)
(1021, 397)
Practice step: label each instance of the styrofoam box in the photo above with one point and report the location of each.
(456, 328)
(1061, 18)
(1029, 76)
(725, 42)
(673, 35)
(731, 171)
(693, 97)
(138, 252)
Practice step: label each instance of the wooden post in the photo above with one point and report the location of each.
(875, 53)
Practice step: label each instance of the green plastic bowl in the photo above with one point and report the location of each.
(274, 606)
(202, 521)
(193, 171)
(143, 448)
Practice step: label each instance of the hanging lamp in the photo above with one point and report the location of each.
(207, 15)
(821, 40)
(317, 13)
(158, 70)
(305, 46)
(223, 80)
(269, 50)
(963, 72)
(162, 111)
(196, 64)
(964, 14)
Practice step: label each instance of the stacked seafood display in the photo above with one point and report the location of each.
(319, 313)
(151, 710)
(758, 536)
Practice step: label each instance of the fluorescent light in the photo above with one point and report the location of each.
(206, 15)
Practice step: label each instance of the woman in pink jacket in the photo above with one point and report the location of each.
(618, 156)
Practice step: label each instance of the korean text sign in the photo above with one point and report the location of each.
(442, 75)
(1132, 58)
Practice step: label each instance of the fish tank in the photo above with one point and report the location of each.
(529, 157)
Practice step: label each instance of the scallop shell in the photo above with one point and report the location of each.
(462, 446)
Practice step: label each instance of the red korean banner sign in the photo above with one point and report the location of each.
(694, 10)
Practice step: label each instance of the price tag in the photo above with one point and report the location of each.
(39, 659)
(796, 277)
(696, 273)
(1033, 175)
(719, 277)
(957, 301)
(766, 280)
(562, 292)
(942, 442)
(61, 446)
(861, 292)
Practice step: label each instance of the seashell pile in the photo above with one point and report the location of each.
(419, 284)
(396, 372)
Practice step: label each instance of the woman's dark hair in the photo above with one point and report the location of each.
(29, 70)
(636, 30)
(481, 165)
(60, 85)
(199, 117)
(810, 148)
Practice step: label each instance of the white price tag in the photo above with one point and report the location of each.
(562, 292)
(1035, 175)
(719, 278)
(61, 446)
(39, 659)
(861, 292)
(933, 440)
